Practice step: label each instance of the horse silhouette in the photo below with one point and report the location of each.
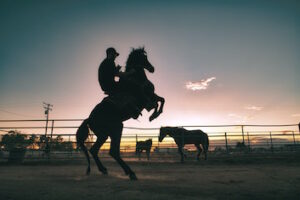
(183, 136)
(138, 83)
(143, 145)
(106, 119)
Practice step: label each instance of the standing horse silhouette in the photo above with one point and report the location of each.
(143, 145)
(183, 136)
(106, 119)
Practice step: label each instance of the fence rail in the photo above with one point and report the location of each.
(223, 138)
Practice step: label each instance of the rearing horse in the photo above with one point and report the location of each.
(138, 83)
(106, 119)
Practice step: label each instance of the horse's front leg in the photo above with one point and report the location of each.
(115, 153)
(157, 111)
(139, 154)
(180, 151)
(199, 151)
(162, 103)
(155, 114)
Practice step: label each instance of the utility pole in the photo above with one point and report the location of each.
(48, 107)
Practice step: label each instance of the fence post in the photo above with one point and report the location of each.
(226, 142)
(182, 140)
(71, 151)
(248, 141)
(51, 134)
(52, 126)
(271, 141)
(243, 134)
(158, 144)
(294, 138)
(136, 140)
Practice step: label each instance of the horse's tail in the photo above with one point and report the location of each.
(207, 142)
(81, 135)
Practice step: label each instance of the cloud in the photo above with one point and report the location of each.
(233, 115)
(254, 108)
(199, 85)
(239, 118)
(296, 115)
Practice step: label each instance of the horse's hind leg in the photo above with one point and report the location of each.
(85, 151)
(205, 148)
(199, 151)
(139, 154)
(148, 154)
(81, 135)
(115, 153)
(94, 151)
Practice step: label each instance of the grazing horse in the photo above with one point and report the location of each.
(183, 136)
(106, 119)
(143, 145)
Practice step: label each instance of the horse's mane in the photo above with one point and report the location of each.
(174, 130)
(134, 54)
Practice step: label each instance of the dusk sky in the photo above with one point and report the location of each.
(217, 62)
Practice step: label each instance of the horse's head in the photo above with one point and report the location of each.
(138, 57)
(163, 133)
(149, 141)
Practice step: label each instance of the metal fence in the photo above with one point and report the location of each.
(56, 137)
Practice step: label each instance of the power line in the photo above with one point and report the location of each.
(17, 114)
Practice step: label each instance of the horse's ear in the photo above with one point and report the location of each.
(141, 48)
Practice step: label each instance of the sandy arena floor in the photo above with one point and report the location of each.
(157, 180)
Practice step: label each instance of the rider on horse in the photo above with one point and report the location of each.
(125, 94)
(107, 117)
(108, 71)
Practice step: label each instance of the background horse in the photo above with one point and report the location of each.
(183, 136)
(143, 145)
(106, 120)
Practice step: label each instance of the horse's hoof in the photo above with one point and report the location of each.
(133, 177)
(104, 172)
(88, 171)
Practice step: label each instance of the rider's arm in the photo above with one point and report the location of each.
(125, 74)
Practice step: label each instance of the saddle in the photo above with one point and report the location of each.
(126, 104)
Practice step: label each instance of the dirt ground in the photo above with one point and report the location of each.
(229, 179)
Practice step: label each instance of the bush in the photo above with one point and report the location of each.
(59, 144)
(15, 143)
(240, 146)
